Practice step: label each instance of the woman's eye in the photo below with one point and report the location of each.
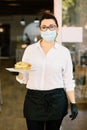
(43, 27)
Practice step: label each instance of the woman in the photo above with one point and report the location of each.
(51, 81)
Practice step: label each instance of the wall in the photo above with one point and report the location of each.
(16, 30)
(82, 19)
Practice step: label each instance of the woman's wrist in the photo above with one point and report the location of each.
(20, 76)
(71, 96)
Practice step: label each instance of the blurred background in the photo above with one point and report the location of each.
(19, 20)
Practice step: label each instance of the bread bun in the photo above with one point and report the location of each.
(22, 65)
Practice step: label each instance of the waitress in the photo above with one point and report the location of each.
(50, 84)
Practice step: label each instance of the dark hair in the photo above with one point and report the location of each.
(48, 16)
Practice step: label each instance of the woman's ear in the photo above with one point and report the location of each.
(57, 29)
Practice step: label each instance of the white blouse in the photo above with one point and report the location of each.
(48, 71)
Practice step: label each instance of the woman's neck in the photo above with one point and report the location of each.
(46, 46)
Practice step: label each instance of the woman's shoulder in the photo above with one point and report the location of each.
(63, 48)
(32, 46)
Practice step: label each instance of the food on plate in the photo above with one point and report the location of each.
(22, 65)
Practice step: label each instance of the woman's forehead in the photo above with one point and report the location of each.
(47, 22)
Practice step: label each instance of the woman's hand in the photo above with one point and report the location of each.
(74, 111)
(20, 76)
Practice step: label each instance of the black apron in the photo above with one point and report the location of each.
(45, 105)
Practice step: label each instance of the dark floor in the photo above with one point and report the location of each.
(11, 116)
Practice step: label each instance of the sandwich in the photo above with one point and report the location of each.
(22, 65)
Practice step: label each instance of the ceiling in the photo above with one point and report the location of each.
(24, 7)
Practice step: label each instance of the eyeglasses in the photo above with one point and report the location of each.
(51, 27)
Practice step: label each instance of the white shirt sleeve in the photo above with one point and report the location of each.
(25, 78)
(69, 82)
(25, 74)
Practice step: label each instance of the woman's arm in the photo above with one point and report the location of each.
(71, 96)
(73, 106)
(22, 77)
(70, 86)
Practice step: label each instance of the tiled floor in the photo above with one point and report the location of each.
(11, 116)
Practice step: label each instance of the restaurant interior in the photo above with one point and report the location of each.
(19, 20)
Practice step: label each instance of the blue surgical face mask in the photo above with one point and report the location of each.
(48, 35)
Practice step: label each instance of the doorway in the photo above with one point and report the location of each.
(5, 40)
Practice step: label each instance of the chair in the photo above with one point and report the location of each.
(1, 101)
(81, 78)
(84, 89)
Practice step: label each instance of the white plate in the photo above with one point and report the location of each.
(20, 70)
(14, 70)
